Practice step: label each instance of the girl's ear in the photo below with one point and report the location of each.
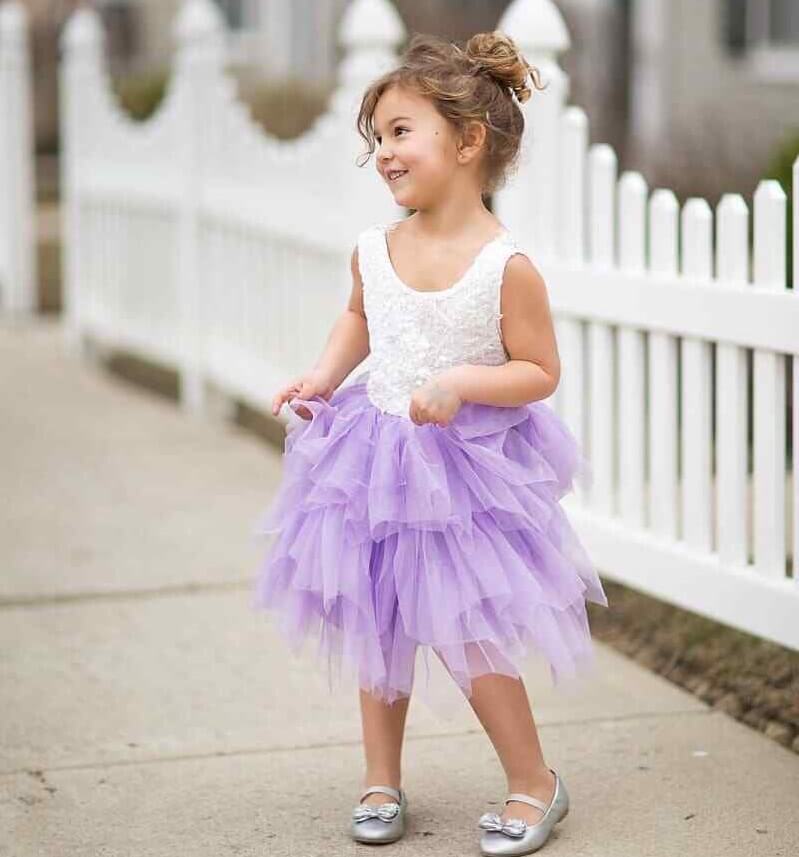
(471, 140)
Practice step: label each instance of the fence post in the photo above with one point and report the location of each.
(17, 209)
(529, 205)
(199, 32)
(81, 77)
(369, 34)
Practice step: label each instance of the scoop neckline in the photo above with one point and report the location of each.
(384, 229)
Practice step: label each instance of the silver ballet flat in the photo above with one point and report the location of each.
(379, 824)
(515, 836)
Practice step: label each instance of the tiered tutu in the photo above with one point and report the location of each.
(390, 535)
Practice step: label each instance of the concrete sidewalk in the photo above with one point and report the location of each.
(146, 710)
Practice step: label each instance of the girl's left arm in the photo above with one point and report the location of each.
(533, 371)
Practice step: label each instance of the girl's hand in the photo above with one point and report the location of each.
(436, 401)
(313, 383)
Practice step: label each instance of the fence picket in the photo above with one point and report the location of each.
(570, 238)
(18, 276)
(697, 384)
(732, 267)
(663, 376)
(769, 464)
(603, 399)
(631, 363)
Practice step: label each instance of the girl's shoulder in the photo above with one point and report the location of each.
(377, 228)
(370, 252)
(370, 235)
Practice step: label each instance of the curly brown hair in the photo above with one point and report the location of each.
(480, 81)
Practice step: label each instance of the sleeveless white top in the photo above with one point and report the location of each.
(415, 334)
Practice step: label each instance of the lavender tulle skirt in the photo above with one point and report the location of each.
(387, 536)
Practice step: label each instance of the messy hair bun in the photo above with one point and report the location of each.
(496, 54)
(484, 80)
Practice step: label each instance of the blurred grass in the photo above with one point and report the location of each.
(140, 95)
(287, 108)
(284, 108)
(780, 167)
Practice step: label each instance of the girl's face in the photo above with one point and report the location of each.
(417, 154)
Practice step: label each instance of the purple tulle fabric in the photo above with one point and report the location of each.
(390, 535)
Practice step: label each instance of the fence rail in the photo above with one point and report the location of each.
(199, 240)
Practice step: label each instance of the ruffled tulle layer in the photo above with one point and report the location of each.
(389, 535)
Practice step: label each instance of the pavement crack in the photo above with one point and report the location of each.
(34, 601)
(40, 770)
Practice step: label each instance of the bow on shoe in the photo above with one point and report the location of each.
(385, 812)
(511, 827)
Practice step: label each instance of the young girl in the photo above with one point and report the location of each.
(419, 504)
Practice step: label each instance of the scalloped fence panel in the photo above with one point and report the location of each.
(195, 238)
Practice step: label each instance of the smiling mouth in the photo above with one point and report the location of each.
(393, 175)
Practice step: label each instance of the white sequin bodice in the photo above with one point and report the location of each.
(415, 334)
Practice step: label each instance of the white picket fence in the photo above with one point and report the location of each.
(17, 234)
(197, 240)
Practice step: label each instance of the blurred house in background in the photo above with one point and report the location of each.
(714, 89)
(278, 38)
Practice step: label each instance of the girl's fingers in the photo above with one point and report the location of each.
(302, 411)
(284, 395)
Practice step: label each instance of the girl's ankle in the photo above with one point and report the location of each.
(376, 798)
(541, 779)
(382, 780)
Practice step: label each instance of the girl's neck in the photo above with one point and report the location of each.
(455, 216)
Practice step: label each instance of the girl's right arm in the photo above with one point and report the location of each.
(347, 346)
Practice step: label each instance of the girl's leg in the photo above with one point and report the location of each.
(383, 732)
(502, 706)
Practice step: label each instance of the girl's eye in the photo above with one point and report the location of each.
(379, 139)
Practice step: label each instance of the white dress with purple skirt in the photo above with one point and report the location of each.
(389, 535)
